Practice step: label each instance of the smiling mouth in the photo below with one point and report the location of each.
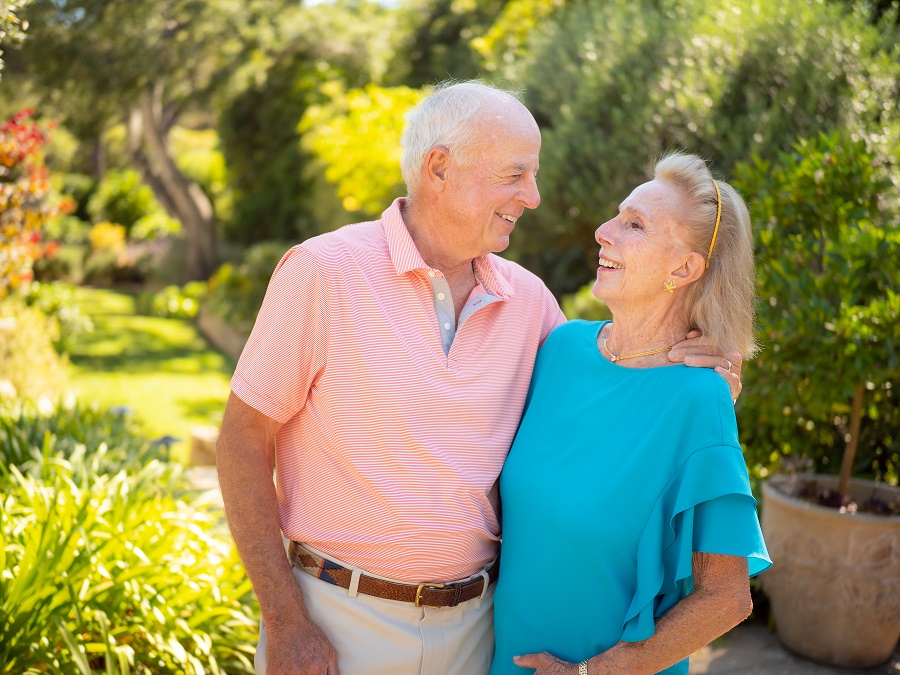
(511, 219)
(609, 264)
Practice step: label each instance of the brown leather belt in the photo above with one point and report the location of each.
(422, 595)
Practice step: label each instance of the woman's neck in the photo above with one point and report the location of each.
(632, 333)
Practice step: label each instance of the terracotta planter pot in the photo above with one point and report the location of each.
(835, 582)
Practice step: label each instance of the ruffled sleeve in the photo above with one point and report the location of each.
(706, 507)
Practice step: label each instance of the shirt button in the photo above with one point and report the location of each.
(431, 273)
(441, 296)
(447, 326)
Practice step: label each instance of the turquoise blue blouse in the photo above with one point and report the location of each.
(615, 477)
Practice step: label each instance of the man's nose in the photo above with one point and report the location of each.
(530, 196)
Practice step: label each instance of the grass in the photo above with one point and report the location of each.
(161, 368)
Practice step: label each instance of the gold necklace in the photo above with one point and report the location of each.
(613, 358)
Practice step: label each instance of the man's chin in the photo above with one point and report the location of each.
(500, 244)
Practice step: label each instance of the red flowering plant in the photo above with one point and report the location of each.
(25, 201)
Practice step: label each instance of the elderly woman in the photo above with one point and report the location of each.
(629, 528)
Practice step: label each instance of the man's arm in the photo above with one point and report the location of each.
(692, 351)
(245, 457)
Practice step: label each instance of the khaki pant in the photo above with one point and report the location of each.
(373, 636)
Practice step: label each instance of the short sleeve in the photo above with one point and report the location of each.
(706, 507)
(552, 316)
(287, 347)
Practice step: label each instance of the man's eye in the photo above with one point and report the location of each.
(635, 225)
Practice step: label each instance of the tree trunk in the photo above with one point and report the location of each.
(850, 450)
(140, 161)
(182, 198)
(98, 158)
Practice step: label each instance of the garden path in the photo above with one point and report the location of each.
(751, 649)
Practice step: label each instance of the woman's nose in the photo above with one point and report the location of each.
(600, 234)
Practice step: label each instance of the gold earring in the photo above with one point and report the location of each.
(669, 286)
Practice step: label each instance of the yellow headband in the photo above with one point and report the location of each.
(718, 218)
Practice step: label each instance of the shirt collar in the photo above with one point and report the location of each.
(406, 257)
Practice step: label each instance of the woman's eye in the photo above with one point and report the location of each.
(636, 225)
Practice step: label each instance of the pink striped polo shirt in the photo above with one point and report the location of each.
(391, 448)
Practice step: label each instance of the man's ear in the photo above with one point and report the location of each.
(692, 269)
(437, 161)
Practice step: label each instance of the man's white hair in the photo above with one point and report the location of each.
(447, 117)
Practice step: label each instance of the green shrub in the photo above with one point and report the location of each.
(57, 300)
(155, 226)
(115, 573)
(108, 564)
(68, 229)
(275, 182)
(828, 252)
(174, 302)
(583, 304)
(66, 264)
(122, 198)
(79, 187)
(269, 172)
(29, 364)
(614, 85)
(357, 136)
(99, 268)
(132, 265)
(70, 425)
(236, 291)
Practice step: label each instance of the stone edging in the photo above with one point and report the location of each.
(221, 334)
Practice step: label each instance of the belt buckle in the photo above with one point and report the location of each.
(421, 588)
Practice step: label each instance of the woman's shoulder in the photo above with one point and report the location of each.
(570, 338)
(575, 328)
(703, 406)
(700, 385)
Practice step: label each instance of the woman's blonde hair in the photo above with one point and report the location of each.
(721, 303)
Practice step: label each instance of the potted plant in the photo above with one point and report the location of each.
(828, 253)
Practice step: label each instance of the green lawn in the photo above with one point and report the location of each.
(162, 368)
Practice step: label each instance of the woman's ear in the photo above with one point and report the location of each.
(437, 161)
(692, 269)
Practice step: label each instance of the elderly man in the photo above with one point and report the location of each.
(386, 372)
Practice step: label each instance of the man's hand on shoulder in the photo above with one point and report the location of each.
(299, 648)
(693, 351)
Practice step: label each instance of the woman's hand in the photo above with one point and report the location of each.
(546, 664)
(693, 351)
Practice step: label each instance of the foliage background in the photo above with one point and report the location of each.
(286, 118)
(196, 140)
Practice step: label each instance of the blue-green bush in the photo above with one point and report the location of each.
(614, 85)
